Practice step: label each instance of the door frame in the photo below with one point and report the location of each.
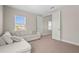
(60, 23)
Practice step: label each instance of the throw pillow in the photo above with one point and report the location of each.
(2, 42)
(7, 38)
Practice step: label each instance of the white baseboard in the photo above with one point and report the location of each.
(74, 43)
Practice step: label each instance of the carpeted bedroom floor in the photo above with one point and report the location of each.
(47, 45)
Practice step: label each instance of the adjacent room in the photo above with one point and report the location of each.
(39, 29)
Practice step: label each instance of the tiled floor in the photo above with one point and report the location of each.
(47, 45)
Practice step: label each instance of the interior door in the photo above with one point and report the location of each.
(56, 25)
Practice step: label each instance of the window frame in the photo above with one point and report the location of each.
(24, 21)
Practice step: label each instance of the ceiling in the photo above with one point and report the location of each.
(36, 9)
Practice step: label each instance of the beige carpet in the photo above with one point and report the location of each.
(47, 45)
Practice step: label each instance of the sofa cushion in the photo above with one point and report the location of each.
(7, 38)
(2, 42)
(16, 47)
(32, 37)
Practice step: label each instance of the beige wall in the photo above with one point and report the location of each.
(70, 23)
(1, 19)
(9, 19)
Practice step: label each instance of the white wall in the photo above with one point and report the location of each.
(1, 19)
(40, 24)
(70, 24)
(9, 19)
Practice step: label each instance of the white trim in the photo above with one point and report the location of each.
(74, 43)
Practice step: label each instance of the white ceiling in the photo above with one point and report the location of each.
(36, 9)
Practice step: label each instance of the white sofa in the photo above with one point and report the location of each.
(32, 37)
(16, 47)
(27, 37)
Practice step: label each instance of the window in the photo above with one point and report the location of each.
(49, 25)
(20, 22)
